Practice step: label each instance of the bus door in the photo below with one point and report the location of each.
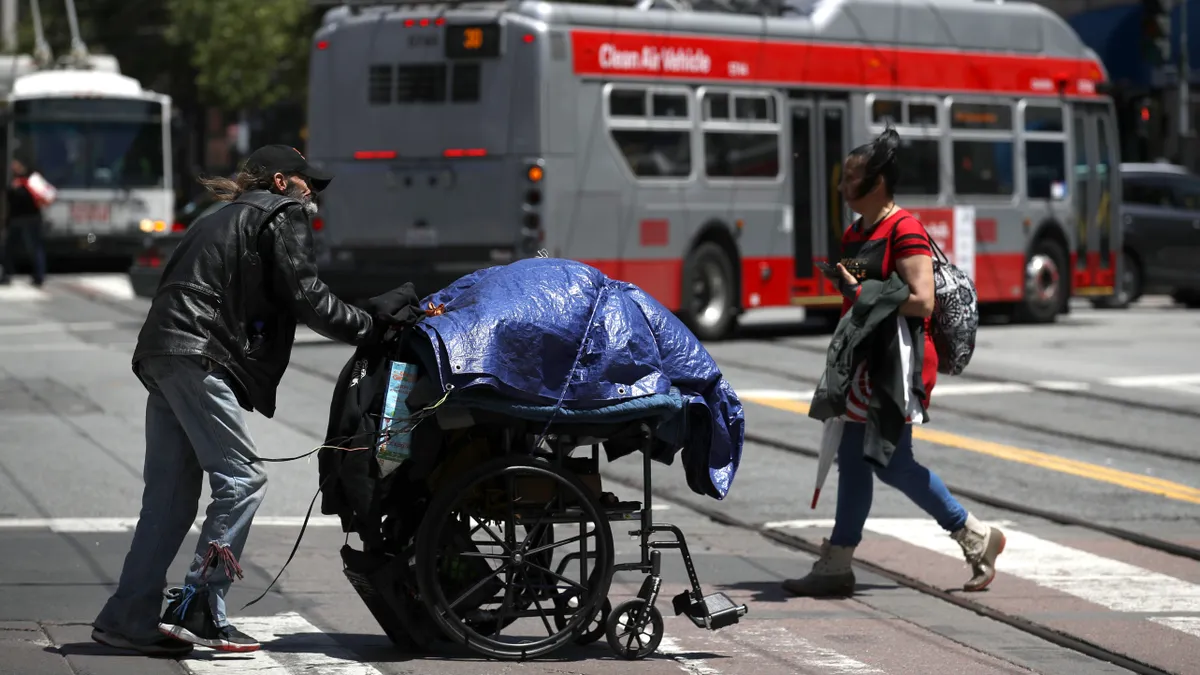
(1097, 197)
(820, 136)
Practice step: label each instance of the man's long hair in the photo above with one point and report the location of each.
(228, 189)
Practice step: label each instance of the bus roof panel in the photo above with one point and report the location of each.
(72, 82)
(1002, 27)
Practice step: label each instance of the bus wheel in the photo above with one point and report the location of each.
(709, 292)
(1046, 283)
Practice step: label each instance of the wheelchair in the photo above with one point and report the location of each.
(509, 531)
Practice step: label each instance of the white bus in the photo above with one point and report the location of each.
(104, 142)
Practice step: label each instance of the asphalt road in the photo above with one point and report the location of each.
(1090, 422)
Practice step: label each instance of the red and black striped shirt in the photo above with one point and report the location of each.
(877, 249)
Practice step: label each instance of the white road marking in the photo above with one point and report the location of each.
(290, 645)
(1112, 584)
(672, 648)
(113, 285)
(53, 347)
(812, 657)
(55, 327)
(84, 525)
(22, 292)
(1060, 385)
(1154, 380)
(1187, 624)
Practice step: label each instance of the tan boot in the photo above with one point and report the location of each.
(831, 574)
(981, 545)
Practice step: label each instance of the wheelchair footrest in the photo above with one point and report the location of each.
(714, 611)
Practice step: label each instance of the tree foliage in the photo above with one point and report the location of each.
(247, 54)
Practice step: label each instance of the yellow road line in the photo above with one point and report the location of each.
(1074, 467)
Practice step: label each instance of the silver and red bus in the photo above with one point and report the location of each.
(695, 151)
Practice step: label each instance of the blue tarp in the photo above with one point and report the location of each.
(556, 332)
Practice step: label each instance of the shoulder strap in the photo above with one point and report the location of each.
(932, 244)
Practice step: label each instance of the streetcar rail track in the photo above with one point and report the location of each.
(981, 416)
(1083, 394)
(794, 542)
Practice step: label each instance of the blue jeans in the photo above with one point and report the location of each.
(856, 484)
(194, 426)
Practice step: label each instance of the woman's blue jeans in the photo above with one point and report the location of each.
(856, 485)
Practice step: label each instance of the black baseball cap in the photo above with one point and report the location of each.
(285, 159)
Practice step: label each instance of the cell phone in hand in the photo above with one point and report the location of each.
(830, 270)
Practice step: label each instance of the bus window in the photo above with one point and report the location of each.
(983, 167)
(627, 103)
(886, 111)
(673, 106)
(746, 146)
(919, 167)
(464, 83)
(741, 155)
(1044, 118)
(716, 106)
(421, 83)
(657, 145)
(1045, 166)
(922, 114)
(754, 109)
(657, 153)
(380, 84)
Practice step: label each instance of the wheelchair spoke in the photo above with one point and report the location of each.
(477, 554)
(568, 540)
(558, 576)
(478, 585)
(493, 535)
(538, 605)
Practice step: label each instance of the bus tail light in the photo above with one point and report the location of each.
(318, 224)
(323, 45)
(464, 152)
(535, 173)
(375, 154)
(178, 227)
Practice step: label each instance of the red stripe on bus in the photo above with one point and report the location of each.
(683, 57)
(999, 277)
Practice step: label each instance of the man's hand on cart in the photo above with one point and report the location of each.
(396, 309)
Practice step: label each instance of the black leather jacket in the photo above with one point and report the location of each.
(234, 289)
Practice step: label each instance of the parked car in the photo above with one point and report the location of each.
(147, 264)
(1161, 220)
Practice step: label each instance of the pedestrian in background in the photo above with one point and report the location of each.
(883, 240)
(23, 225)
(217, 341)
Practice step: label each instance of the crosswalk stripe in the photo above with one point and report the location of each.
(84, 525)
(1112, 584)
(290, 644)
(115, 286)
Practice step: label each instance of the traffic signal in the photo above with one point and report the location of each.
(1146, 114)
(1156, 33)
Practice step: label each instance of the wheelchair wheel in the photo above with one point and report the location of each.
(634, 629)
(512, 505)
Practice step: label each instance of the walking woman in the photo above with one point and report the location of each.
(887, 239)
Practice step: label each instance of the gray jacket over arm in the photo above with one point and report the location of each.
(869, 332)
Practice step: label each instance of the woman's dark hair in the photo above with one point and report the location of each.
(879, 157)
(228, 189)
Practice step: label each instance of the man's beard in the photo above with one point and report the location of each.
(296, 192)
